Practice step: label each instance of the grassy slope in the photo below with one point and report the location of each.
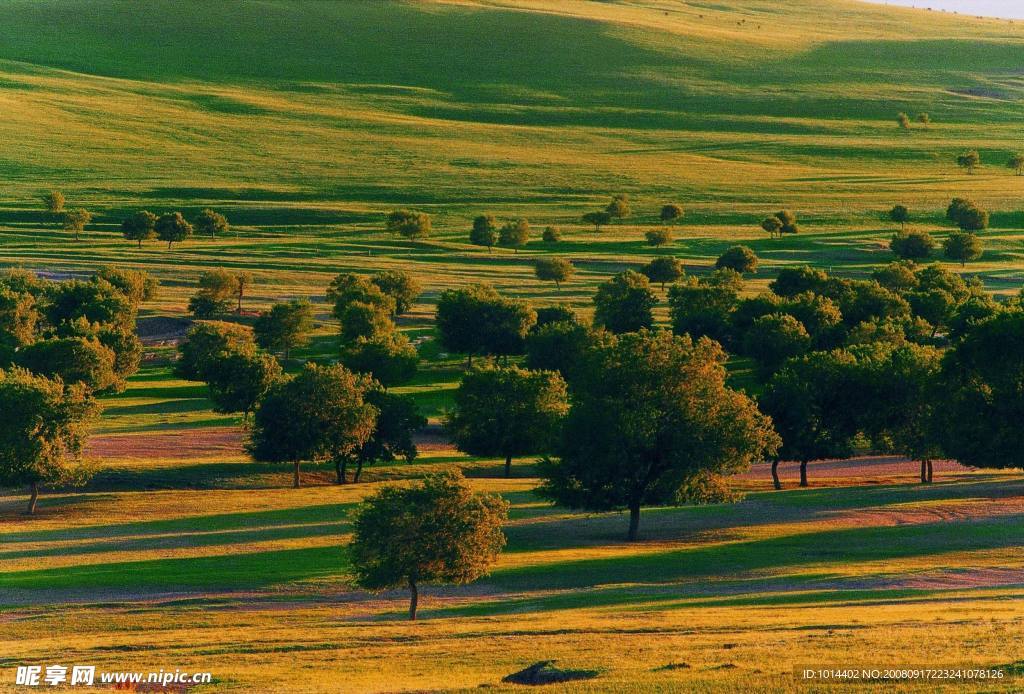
(305, 134)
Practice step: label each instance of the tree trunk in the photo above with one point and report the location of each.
(169, 245)
(32, 499)
(508, 466)
(359, 470)
(929, 472)
(414, 598)
(295, 483)
(634, 521)
(239, 310)
(339, 468)
(469, 360)
(924, 471)
(140, 243)
(775, 474)
(803, 473)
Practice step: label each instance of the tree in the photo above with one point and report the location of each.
(239, 380)
(400, 286)
(811, 402)
(74, 360)
(704, 307)
(914, 245)
(365, 321)
(973, 219)
(898, 276)
(438, 531)
(555, 270)
(285, 326)
(924, 119)
(618, 208)
(408, 223)
(671, 213)
(961, 247)
(478, 320)
(507, 412)
(551, 235)
(243, 280)
(136, 285)
(43, 430)
(398, 419)
(774, 339)
(789, 223)
(559, 313)
(172, 227)
(739, 258)
(1016, 162)
(484, 231)
(75, 221)
(53, 201)
(598, 219)
(559, 346)
(319, 414)
(348, 288)
(211, 223)
(140, 226)
(903, 121)
(969, 160)
(218, 289)
(663, 270)
(514, 234)
(982, 405)
(623, 303)
(651, 414)
(94, 301)
(206, 343)
(388, 357)
(903, 398)
(773, 226)
(19, 318)
(658, 237)
(796, 280)
(900, 214)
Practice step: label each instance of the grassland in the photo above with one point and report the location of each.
(305, 122)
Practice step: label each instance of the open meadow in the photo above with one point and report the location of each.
(305, 123)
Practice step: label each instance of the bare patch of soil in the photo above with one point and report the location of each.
(197, 443)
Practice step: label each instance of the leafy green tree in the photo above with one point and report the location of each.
(789, 223)
(898, 276)
(624, 303)
(53, 201)
(900, 214)
(551, 235)
(671, 212)
(285, 326)
(774, 339)
(239, 380)
(982, 405)
(438, 531)
(478, 320)
(559, 313)
(136, 285)
(961, 247)
(559, 346)
(139, 226)
(913, 245)
(1016, 162)
(555, 270)
(924, 119)
(210, 223)
(658, 237)
(514, 235)
(663, 270)
(388, 357)
(970, 313)
(903, 392)
(650, 414)
(819, 315)
(75, 221)
(218, 291)
(43, 430)
(362, 321)
(773, 226)
(398, 419)
(348, 288)
(19, 320)
(484, 231)
(865, 300)
(812, 402)
(172, 228)
(903, 121)
(73, 360)
(598, 219)
(796, 280)
(400, 286)
(408, 223)
(507, 412)
(704, 307)
(206, 343)
(618, 208)
(739, 258)
(969, 160)
(95, 301)
(319, 414)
